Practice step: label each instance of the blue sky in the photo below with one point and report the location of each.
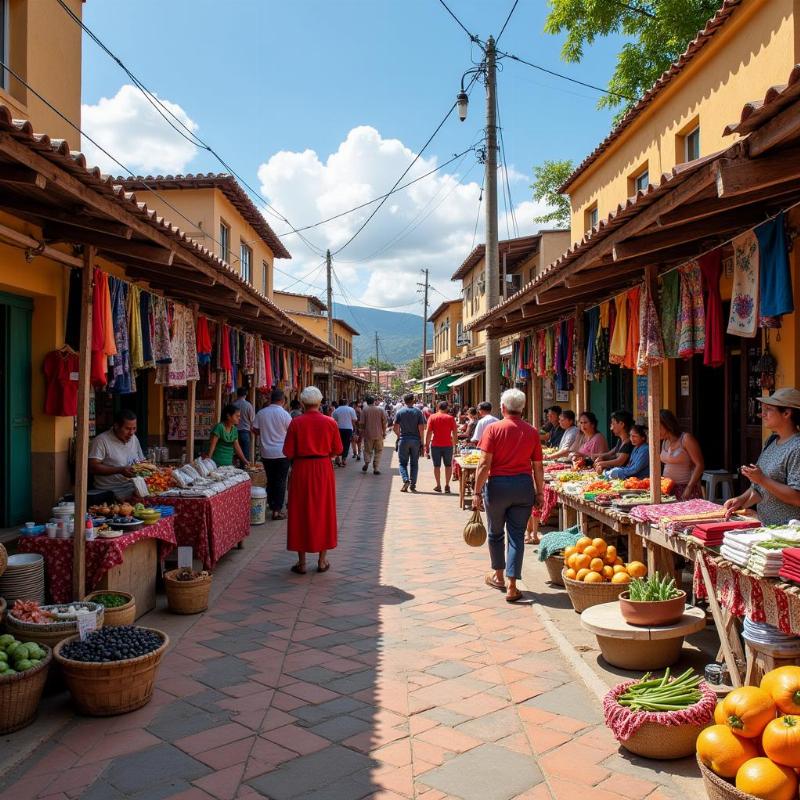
(278, 88)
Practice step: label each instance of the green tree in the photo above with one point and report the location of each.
(383, 366)
(658, 32)
(415, 368)
(398, 387)
(547, 177)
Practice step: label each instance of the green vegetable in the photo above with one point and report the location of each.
(6, 640)
(12, 648)
(23, 664)
(3, 657)
(663, 694)
(110, 600)
(652, 588)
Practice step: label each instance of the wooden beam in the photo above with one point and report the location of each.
(82, 429)
(158, 276)
(23, 176)
(58, 231)
(38, 248)
(773, 133)
(742, 176)
(75, 217)
(589, 276)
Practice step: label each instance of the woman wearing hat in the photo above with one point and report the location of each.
(775, 479)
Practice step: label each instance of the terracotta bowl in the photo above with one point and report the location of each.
(652, 614)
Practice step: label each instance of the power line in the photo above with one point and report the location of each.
(478, 217)
(504, 162)
(513, 9)
(459, 22)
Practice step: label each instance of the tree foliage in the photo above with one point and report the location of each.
(547, 177)
(383, 366)
(658, 30)
(415, 368)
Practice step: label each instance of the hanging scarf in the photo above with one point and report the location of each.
(249, 354)
(651, 345)
(269, 373)
(592, 317)
(549, 351)
(619, 338)
(541, 354)
(711, 270)
(669, 300)
(632, 343)
(775, 280)
(203, 341)
(562, 349)
(162, 347)
(135, 327)
(99, 375)
(602, 341)
(121, 381)
(692, 321)
(234, 353)
(569, 361)
(146, 318)
(192, 367)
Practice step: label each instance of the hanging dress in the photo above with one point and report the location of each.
(619, 338)
(632, 342)
(711, 270)
(775, 280)
(692, 316)
(743, 318)
(122, 381)
(135, 327)
(669, 300)
(651, 345)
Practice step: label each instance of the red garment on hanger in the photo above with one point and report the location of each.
(711, 270)
(634, 336)
(268, 363)
(227, 365)
(203, 336)
(60, 369)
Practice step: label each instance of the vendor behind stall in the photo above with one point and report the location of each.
(113, 453)
(225, 438)
(775, 490)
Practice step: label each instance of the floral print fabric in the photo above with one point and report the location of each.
(743, 319)
(651, 346)
(669, 300)
(691, 314)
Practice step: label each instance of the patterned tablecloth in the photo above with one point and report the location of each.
(101, 556)
(210, 525)
(548, 504)
(762, 599)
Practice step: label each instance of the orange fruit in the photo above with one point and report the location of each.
(568, 551)
(608, 572)
(621, 577)
(593, 577)
(719, 715)
(763, 778)
(724, 752)
(590, 551)
(611, 553)
(599, 545)
(570, 573)
(619, 561)
(583, 543)
(619, 568)
(636, 569)
(596, 565)
(582, 573)
(582, 561)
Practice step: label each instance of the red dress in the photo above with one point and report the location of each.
(311, 441)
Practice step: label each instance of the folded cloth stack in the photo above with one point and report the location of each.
(761, 633)
(556, 541)
(790, 569)
(713, 533)
(766, 558)
(736, 545)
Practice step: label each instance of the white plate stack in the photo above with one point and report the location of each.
(23, 578)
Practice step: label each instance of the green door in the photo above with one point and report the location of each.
(599, 403)
(15, 409)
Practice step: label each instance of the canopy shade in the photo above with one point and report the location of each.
(445, 384)
(435, 378)
(464, 378)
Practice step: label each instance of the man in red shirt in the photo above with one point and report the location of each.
(510, 480)
(440, 441)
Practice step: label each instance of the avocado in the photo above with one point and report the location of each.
(20, 652)
(6, 640)
(22, 665)
(11, 648)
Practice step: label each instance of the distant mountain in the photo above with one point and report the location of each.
(400, 334)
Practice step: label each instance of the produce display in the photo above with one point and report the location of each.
(595, 561)
(643, 484)
(756, 739)
(113, 644)
(110, 600)
(663, 694)
(570, 475)
(113, 510)
(16, 656)
(653, 589)
(471, 459)
(187, 574)
(31, 611)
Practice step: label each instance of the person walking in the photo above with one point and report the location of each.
(373, 428)
(441, 439)
(246, 416)
(312, 439)
(409, 427)
(295, 409)
(346, 420)
(485, 418)
(270, 425)
(510, 482)
(356, 443)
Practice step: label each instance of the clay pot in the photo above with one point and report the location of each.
(652, 613)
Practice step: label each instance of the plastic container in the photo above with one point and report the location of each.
(258, 505)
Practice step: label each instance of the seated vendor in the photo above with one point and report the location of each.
(591, 441)
(638, 465)
(621, 422)
(570, 434)
(225, 438)
(112, 455)
(551, 431)
(775, 489)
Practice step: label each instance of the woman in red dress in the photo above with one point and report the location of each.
(312, 440)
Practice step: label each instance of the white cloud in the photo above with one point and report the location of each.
(429, 225)
(130, 128)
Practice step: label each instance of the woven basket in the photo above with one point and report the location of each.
(258, 477)
(50, 634)
(20, 695)
(119, 615)
(187, 597)
(718, 788)
(555, 566)
(585, 595)
(3, 606)
(3, 558)
(658, 741)
(114, 687)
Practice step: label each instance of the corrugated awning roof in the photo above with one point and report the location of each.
(465, 378)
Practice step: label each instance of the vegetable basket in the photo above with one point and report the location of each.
(555, 566)
(3, 606)
(718, 788)
(3, 558)
(20, 695)
(187, 597)
(117, 615)
(49, 633)
(585, 595)
(104, 689)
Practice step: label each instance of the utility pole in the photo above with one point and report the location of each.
(330, 324)
(424, 286)
(492, 253)
(377, 365)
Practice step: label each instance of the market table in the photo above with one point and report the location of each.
(135, 552)
(466, 474)
(211, 526)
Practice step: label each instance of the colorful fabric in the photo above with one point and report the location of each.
(602, 342)
(190, 337)
(743, 319)
(669, 301)
(651, 346)
(692, 315)
(549, 350)
(711, 270)
(562, 356)
(60, 369)
(122, 380)
(592, 320)
(203, 341)
(135, 327)
(162, 345)
(619, 338)
(632, 341)
(775, 280)
(146, 316)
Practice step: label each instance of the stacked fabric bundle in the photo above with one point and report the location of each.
(761, 633)
(790, 569)
(736, 545)
(712, 534)
(766, 558)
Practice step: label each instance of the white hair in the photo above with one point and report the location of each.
(311, 396)
(513, 400)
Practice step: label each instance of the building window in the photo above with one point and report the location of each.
(265, 278)
(246, 260)
(225, 242)
(590, 218)
(641, 181)
(691, 144)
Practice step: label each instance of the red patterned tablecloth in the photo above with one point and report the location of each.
(762, 599)
(210, 525)
(548, 504)
(101, 556)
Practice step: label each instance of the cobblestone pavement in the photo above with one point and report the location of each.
(396, 674)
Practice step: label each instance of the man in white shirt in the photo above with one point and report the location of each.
(112, 455)
(485, 420)
(345, 417)
(270, 425)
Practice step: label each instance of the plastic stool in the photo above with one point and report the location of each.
(715, 479)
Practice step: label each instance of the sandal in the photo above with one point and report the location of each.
(325, 568)
(514, 598)
(298, 570)
(437, 489)
(278, 515)
(491, 580)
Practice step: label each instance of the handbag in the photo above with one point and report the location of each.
(474, 530)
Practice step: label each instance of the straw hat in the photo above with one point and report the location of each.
(786, 398)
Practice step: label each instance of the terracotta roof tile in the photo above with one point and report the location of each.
(757, 112)
(440, 309)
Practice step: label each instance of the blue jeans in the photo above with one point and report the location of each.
(509, 502)
(409, 449)
(244, 443)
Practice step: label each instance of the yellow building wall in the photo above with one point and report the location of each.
(756, 49)
(553, 244)
(290, 302)
(476, 308)
(319, 327)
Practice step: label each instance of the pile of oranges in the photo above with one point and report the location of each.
(595, 561)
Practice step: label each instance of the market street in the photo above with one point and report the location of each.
(396, 674)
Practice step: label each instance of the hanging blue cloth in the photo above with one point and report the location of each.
(562, 377)
(144, 314)
(775, 281)
(592, 320)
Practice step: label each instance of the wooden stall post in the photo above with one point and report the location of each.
(251, 456)
(220, 378)
(190, 403)
(581, 390)
(536, 401)
(82, 434)
(654, 407)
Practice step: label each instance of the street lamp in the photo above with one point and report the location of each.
(462, 101)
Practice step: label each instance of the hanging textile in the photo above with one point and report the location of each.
(669, 301)
(632, 342)
(60, 369)
(122, 381)
(135, 327)
(249, 354)
(569, 360)
(233, 350)
(651, 345)
(161, 342)
(562, 349)
(619, 338)
(549, 351)
(269, 373)
(203, 341)
(602, 341)
(592, 317)
(99, 371)
(775, 280)
(711, 270)
(692, 315)
(192, 366)
(146, 318)
(541, 354)
(743, 318)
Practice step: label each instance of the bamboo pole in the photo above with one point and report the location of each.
(82, 433)
(654, 407)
